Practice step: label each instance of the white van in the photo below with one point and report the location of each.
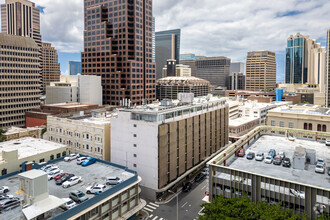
(81, 159)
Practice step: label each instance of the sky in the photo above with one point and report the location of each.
(209, 27)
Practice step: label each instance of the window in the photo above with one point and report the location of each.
(319, 127)
(290, 124)
(324, 128)
(305, 126)
(272, 123)
(281, 124)
(310, 126)
(41, 160)
(51, 157)
(58, 155)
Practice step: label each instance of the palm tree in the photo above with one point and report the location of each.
(2, 136)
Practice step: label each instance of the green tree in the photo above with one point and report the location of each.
(2, 136)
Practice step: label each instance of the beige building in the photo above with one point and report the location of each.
(241, 126)
(328, 69)
(306, 117)
(51, 71)
(260, 71)
(86, 135)
(13, 153)
(16, 133)
(19, 79)
(181, 70)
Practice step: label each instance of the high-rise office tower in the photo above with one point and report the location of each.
(260, 71)
(328, 68)
(74, 67)
(153, 39)
(19, 79)
(21, 17)
(237, 67)
(51, 71)
(118, 47)
(167, 47)
(236, 81)
(213, 69)
(190, 56)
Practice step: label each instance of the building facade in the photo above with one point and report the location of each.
(236, 81)
(237, 67)
(260, 71)
(19, 79)
(214, 69)
(22, 18)
(118, 47)
(190, 56)
(78, 88)
(17, 133)
(170, 87)
(328, 69)
(86, 135)
(167, 44)
(51, 70)
(191, 64)
(74, 67)
(165, 143)
(173, 69)
(305, 117)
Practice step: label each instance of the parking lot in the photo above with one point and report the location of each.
(92, 174)
(267, 142)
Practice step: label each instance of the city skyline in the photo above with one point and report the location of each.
(257, 26)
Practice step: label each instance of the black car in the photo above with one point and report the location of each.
(250, 156)
(286, 162)
(187, 187)
(63, 179)
(9, 204)
(199, 177)
(329, 171)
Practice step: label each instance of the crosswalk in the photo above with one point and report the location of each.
(150, 207)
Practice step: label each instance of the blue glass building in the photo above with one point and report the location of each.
(190, 56)
(74, 67)
(167, 46)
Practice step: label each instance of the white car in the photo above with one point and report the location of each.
(319, 168)
(47, 167)
(205, 171)
(71, 157)
(260, 156)
(72, 181)
(95, 188)
(320, 161)
(327, 143)
(281, 154)
(4, 189)
(81, 159)
(69, 204)
(51, 170)
(268, 159)
(54, 173)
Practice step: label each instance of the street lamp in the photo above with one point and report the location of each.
(177, 203)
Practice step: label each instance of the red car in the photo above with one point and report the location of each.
(241, 153)
(60, 176)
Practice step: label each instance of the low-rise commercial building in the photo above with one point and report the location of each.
(15, 152)
(75, 88)
(16, 133)
(84, 134)
(240, 126)
(41, 198)
(302, 116)
(301, 190)
(167, 141)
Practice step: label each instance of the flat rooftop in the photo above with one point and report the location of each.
(241, 121)
(267, 142)
(29, 146)
(15, 130)
(92, 174)
(305, 109)
(69, 105)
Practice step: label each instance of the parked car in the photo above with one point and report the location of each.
(2, 197)
(250, 156)
(113, 180)
(281, 154)
(48, 166)
(320, 161)
(327, 143)
(286, 162)
(268, 159)
(205, 171)
(50, 170)
(260, 156)
(199, 177)
(329, 171)
(72, 181)
(319, 168)
(9, 203)
(69, 204)
(81, 159)
(63, 179)
(95, 188)
(88, 162)
(78, 196)
(71, 157)
(272, 153)
(59, 176)
(51, 175)
(187, 187)
(241, 153)
(4, 189)
(277, 160)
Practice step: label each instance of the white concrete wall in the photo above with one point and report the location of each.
(60, 94)
(146, 150)
(90, 89)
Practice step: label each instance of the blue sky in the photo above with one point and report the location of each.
(209, 27)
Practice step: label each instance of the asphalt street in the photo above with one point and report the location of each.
(189, 205)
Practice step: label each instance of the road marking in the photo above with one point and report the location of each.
(150, 216)
(149, 206)
(184, 205)
(161, 219)
(153, 204)
(155, 218)
(204, 187)
(150, 210)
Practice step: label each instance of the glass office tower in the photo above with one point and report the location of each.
(74, 67)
